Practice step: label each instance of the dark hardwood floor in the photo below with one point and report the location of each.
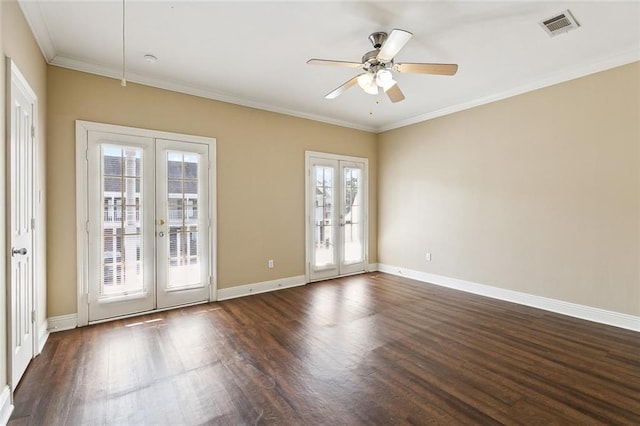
(368, 349)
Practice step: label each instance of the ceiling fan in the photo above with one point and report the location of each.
(378, 66)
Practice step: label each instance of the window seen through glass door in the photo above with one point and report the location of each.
(122, 241)
(324, 205)
(182, 189)
(353, 238)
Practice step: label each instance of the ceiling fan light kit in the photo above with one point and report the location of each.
(384, 79)
(378, 65)
(367, 82)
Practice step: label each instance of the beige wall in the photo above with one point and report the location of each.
(260, 161)
(19, 44)
(539, 193)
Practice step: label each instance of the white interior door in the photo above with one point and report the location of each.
(182, 212)
(21, 217)
(149, 227)
(336, 215)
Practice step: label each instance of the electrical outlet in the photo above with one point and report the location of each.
(270, 263)
(428, 257)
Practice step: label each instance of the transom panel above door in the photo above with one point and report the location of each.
(145, 204)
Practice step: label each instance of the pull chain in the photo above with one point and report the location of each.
(123, 82)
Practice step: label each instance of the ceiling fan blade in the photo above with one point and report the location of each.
(396, 41)
(395, 94)
(334, 63)
(340, 90)
(438, 69)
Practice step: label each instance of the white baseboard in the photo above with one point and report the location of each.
(372, 267)
(43, 335)
(63, 322)
(68, 322)
(6, 408)
(589, 313)
(262, 287)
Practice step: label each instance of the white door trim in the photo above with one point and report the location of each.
(82, 136)
(307, 202)
(15, 77)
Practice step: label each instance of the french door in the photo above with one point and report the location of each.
(182, 223)
(121, 235)
(148, 221)
(336, 215)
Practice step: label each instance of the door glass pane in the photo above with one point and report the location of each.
(122, 243)
(352, 215)
(183, 262)
(324, 244)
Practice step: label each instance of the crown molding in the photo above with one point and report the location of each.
(571, 73)
(567, 74)
(35, 19)
(104, 71)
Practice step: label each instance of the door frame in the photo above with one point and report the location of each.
(14, 76)
(82, 215)
(308, 198)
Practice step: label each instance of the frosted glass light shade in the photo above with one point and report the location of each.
(368, 83)
(383, 78)
(365, 80)
(372, 89)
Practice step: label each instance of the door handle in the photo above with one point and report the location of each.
(161, 234)
(15, 251)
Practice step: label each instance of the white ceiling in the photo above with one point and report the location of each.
(255, 53)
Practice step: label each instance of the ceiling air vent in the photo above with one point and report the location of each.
(560, 24)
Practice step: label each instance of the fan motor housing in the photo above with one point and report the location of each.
(370, 61)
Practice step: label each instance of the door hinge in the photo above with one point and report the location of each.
(33, 224)
(87, 227)
(33, 131)
(33, 316)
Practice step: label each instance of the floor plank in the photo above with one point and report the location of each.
(366, 349)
